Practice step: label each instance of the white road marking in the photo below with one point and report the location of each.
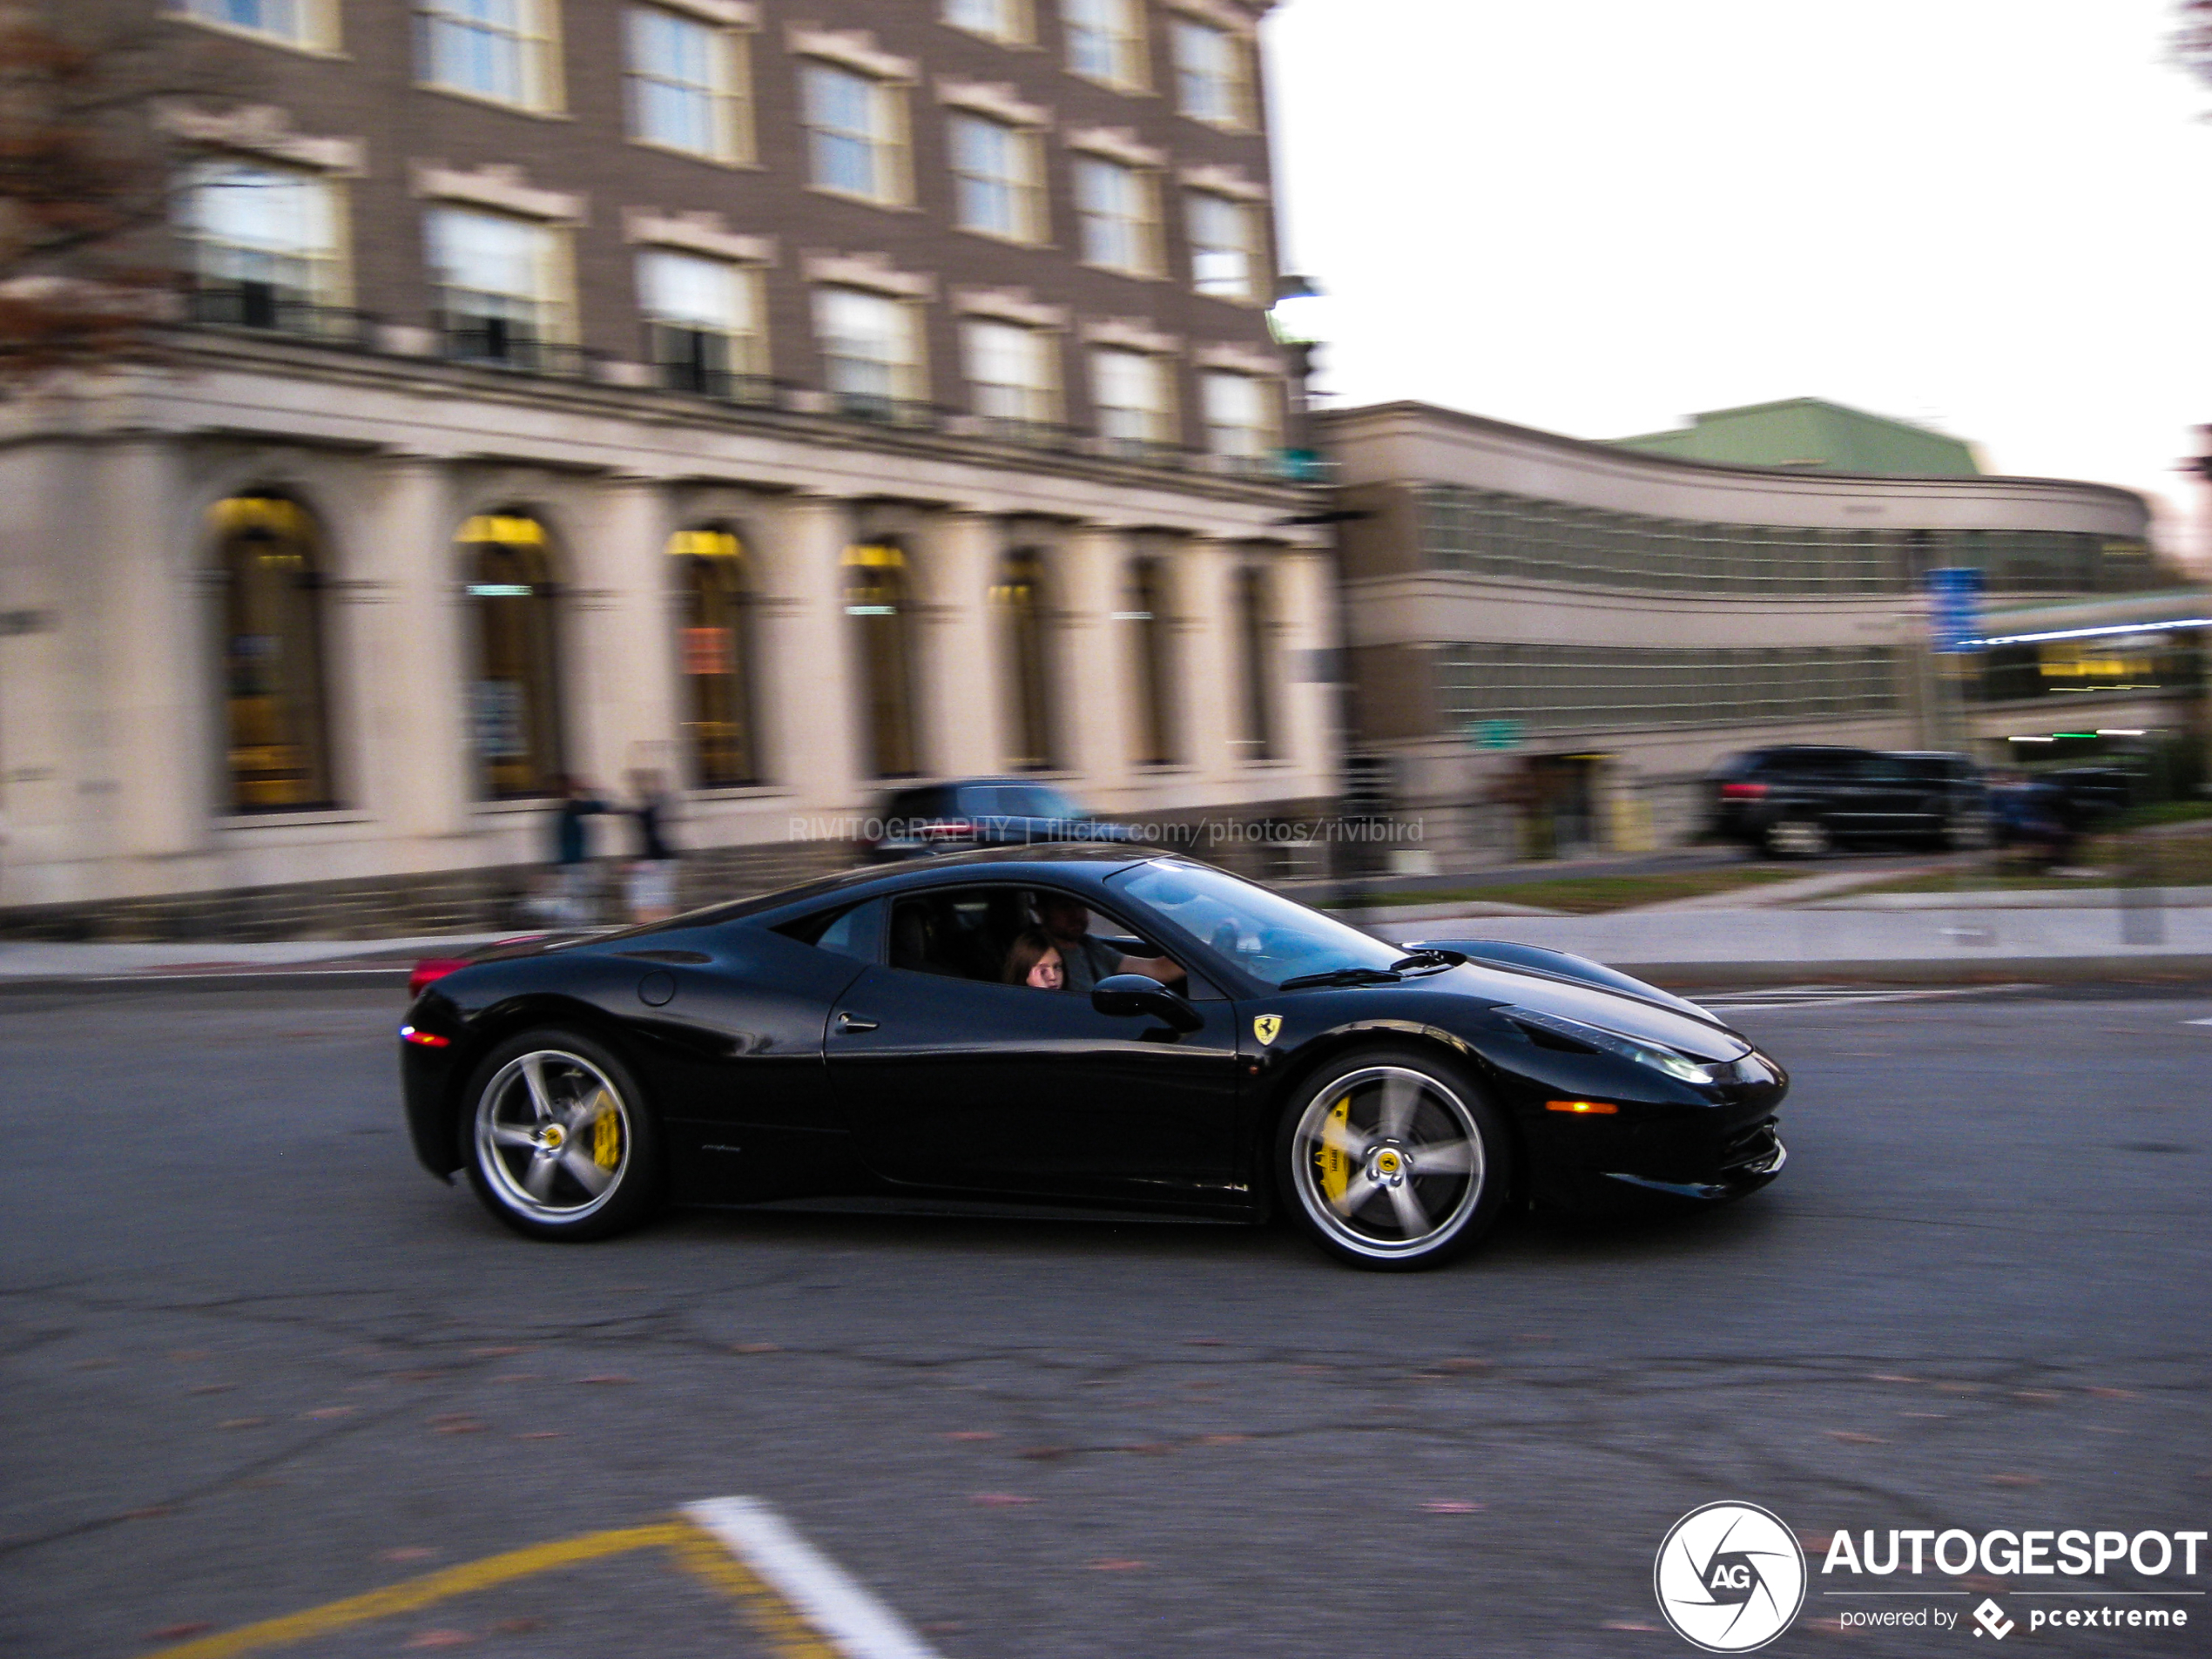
(1818, 996)
(2197, 1022)
(824, 1595)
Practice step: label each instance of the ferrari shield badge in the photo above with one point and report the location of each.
(1265, 1026)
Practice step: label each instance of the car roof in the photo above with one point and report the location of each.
(1090, 862)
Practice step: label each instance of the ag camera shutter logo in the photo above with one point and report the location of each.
(1730, 1577)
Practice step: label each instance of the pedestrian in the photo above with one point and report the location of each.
(652, 876)
(575, 882)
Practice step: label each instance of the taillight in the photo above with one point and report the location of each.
(1741, 792)
(431, 970)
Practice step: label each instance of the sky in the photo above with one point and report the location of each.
(1598, 217)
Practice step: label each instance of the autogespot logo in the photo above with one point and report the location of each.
(1730, 1577)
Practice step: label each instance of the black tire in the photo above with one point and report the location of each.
(1798, 836)
(522, 1130)
(1411, 1218)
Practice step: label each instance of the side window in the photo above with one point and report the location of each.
(960, 932)
(854, 931)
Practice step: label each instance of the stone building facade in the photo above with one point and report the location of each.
(1553, 640)
(797, 401)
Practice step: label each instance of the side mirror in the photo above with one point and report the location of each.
(1136, 994)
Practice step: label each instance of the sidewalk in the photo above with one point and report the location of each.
(301, 963)
(1746, 945)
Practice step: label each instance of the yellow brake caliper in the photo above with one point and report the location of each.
(606, 1138)
(1335, 1168)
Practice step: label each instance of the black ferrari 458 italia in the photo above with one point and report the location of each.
(1074, 1027)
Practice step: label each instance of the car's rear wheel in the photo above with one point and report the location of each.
(557, 1140)
(1393, 1161)
(1798, 838)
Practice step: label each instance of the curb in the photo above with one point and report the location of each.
(2051, 970)
(250, 979)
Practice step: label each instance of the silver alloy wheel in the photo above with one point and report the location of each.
(1798, 838)
(1388, 1162)
(553, 1136)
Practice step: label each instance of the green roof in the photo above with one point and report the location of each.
(1807, 433)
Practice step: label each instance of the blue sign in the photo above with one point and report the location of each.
(1954, 608)
(1493, 734)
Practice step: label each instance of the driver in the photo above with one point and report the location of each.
(1085, 960)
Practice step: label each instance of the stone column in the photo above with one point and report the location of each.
(1094, 690)
(151, 675)
(412, 664)
(808, 709)
(1307, 709)
(958, 678)
(621, 667)
(1210, 661)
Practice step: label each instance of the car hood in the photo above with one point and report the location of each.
(1630, 1016)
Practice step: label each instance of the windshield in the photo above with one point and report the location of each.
(1270, 937)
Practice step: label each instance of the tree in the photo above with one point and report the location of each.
(86, 173)
(2193, 38)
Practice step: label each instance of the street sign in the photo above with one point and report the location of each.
(1493, 734)
(1954, 608)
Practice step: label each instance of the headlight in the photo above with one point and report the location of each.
(1665, 1059)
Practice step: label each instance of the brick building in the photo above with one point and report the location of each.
(795, 397)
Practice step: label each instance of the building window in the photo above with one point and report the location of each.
(1227, 257)
(1007, 21)
(1151, 682)
(875, 605)
(1119, 216)
(871, 352)
(1010, 371)
(703, 322)
(503, 287)
(1240, 425)
(1018, 600)
(501, 50)
(856, 134)
(269, 562)
(1210, 74)
(714, 594)
(308, 23)
(266, 246)
(687, 85)
(1255, 624)
(514, 704)
(998, 179)
(1569, 689)
(1130, 391)
(1106, 41)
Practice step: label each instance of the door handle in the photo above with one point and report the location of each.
(847, 1022)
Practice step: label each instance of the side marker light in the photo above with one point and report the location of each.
(1600, 1108)
(427, 1039)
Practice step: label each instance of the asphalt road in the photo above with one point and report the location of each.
(251, 1359)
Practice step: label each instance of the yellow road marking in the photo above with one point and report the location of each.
(412, 1594)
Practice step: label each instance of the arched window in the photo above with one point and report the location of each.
(272, 673)
(515, 704)
(876, 600)
(714, 642)
(1018, 599)
(1255, 626)
(1144, 610)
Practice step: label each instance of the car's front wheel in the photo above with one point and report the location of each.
(556, 1138)
(1393, 1160)
(1798, 838)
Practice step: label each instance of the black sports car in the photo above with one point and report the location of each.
(1073, 1026)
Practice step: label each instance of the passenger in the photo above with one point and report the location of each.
(1034, 961)
(1086, 960)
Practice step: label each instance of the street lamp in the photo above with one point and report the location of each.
(1297, 321)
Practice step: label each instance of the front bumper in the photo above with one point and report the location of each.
(1748, 1161)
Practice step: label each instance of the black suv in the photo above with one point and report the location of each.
(1800, 801)
(983, 811)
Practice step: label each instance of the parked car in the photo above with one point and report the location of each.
(984, 811)
(1800, 801)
